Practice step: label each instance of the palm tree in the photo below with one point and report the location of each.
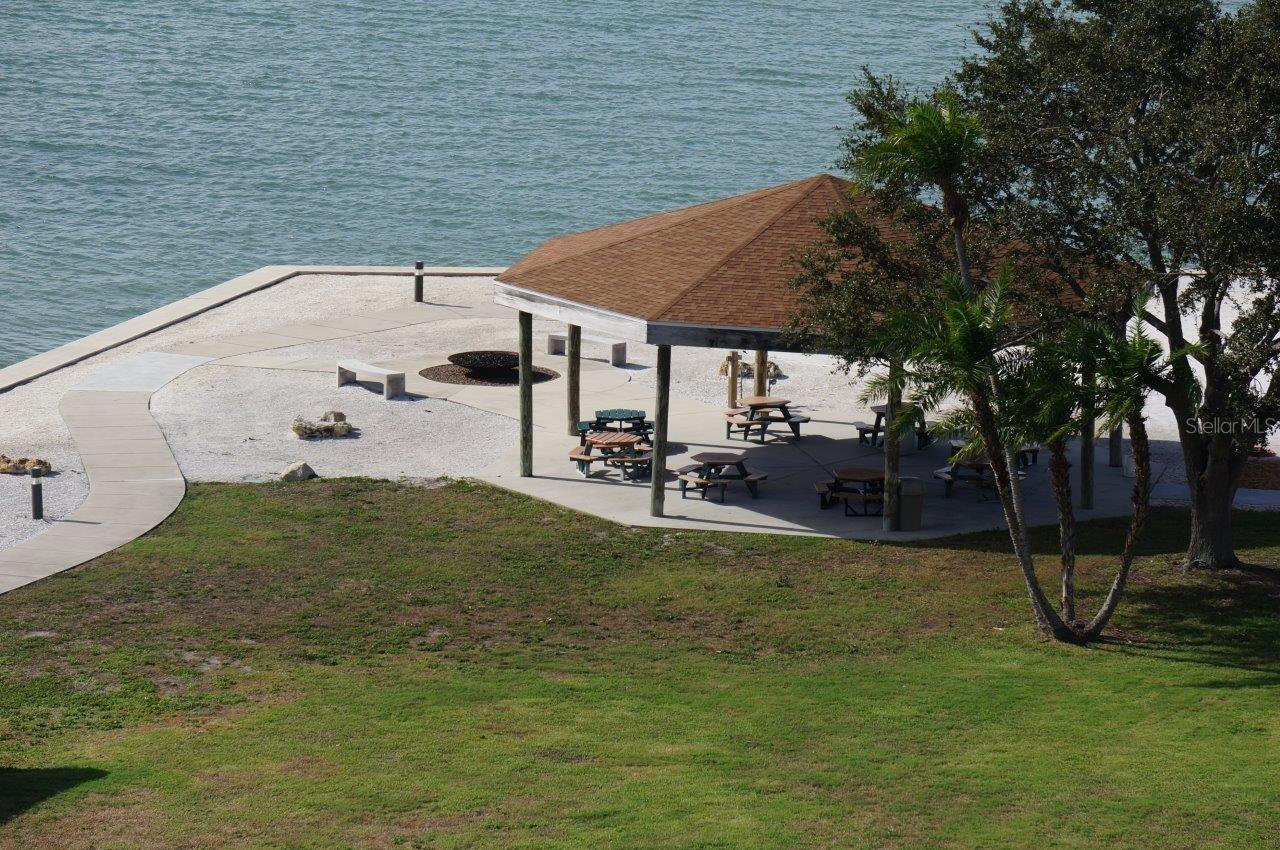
(933, 143)
(1019, 391)
(958, 351)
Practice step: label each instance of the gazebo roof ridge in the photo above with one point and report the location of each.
(670, 219)
(816, 181)
(716, 274)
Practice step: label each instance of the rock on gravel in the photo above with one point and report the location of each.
(300, 471)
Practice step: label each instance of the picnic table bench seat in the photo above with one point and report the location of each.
(868, 434)
(868, 501)
(691, 476)
(744, 425)
(584, 459)
(640, 464)
(691, 479)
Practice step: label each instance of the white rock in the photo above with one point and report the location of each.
(300, 471)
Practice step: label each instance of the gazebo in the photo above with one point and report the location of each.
(714, 275)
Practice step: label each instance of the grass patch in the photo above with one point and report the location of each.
(358, 663)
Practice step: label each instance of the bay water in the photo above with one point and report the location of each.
(151, 149)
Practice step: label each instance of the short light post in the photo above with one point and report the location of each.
(417, 281)
(37, 493)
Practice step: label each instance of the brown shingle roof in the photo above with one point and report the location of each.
(726, 263)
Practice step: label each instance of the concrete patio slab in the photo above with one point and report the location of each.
(260, 341)
(141, 372)
(311, 332)
(362, 324)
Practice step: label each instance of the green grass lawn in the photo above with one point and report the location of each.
(355, 663)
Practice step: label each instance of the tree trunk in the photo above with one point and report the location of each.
(1046, 617)
(1213, 468)
(1115, 447)
(1213, 491)
(892, 520)
(1088, 435)
(1141, 499)
(1060, 479)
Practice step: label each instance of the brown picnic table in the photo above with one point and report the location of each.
(622, 449)
(872, 434)
(855, 486)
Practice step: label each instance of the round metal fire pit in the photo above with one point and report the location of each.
(486, 361)
(484, 368)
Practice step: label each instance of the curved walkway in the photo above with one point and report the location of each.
(134, 481)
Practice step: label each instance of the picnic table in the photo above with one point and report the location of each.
(717, 469)
(974, 471)
(622, 415)
(855, 486)
(871, 434)
(622, 449)
(758, 412)
(626, 419)
(1027, 456)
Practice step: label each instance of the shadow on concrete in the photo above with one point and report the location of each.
(24, 788)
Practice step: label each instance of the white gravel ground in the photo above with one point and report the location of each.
(231, 423)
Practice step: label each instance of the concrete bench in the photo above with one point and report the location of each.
(557, 342)
(392, 382)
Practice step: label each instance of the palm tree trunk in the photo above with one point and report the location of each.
(1060, 478)
(892, 520)
(962, 259)
(1046, 617)
(1141, 498)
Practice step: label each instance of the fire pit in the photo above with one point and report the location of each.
(484, 368)
(488, 365)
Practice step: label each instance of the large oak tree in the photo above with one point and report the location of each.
(1143, 136)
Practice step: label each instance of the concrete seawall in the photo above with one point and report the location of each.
(195, 304)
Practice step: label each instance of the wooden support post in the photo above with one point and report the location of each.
(658, 475)
(892, 517)
(734, 357)
(573, 349)
(760, 383)
(526, 394)
(1087, 444)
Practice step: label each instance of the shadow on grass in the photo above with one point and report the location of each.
(1167, 533)
(1225, 620)
(25, 788)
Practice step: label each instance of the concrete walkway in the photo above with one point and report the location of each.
(134, 481)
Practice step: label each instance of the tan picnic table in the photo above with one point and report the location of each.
(613, 440)
(757, 411)
(617, 448)
(762, 402)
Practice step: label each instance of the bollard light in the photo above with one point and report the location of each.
(417, 281)
(37, 494)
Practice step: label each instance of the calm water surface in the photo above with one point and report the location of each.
(150, 149)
